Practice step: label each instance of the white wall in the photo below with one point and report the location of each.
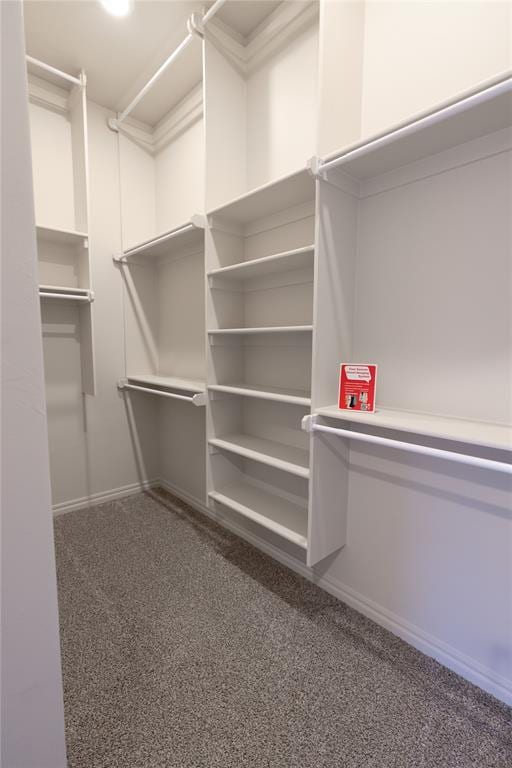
(97, 444)
(417, 54)
(52, 158)
(31, 704)
(282, 110)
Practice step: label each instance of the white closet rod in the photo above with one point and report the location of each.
(173, 56)
(197, 399)
(429, 118)
(68, 296)
(53, 70)
(309, 425)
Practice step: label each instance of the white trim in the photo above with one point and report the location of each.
(99, 498)
(468, 668)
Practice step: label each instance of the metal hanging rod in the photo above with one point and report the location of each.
(309, 424)
(451, 107)
(195, 27)
(55, 71)
(198, 399)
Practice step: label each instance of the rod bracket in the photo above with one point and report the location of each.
(199, 221)
(122, 383)
(199, 399)
(195, 25)
(118, 259)
(308, 422)
(314, 166)
(113, 124)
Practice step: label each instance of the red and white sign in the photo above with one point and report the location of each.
(357, 387)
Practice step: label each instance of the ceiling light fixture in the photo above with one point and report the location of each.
(118, 7)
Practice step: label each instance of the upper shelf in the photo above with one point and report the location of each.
(459, 430)
(271, 198)
(169, 243)
(60, 236)
(297, 258)
(459, 121)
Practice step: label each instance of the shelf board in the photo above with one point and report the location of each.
(167, 382)
(299, 258)
(458, 121)
(279, 515)
(60, 236)
(270, 198)
(169, 243)
(263, 329)
(278, 394)
(481, 433)
(284, 457)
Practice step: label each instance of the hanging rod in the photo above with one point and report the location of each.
(309, 424)
(451, 107)
(195, 27)
(89, 296)
(54, 71)
(198, 399)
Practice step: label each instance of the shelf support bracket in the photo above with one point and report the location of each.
(113, 124)
(195, 26)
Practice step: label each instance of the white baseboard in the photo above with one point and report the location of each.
(102, 496)
(447, 655)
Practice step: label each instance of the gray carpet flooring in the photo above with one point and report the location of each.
(185, 647)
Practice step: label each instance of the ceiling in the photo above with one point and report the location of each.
(119, 55)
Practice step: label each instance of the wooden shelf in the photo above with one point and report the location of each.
(459, 430)
(263, 329)
(460, 121)
(168, 243)
(61, 236)
(278, 394)
(279, 515)
(284, 457)
(299, 258)
(271, 198)
(167, 382)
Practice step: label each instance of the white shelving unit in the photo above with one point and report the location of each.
(260, 273)
(414, 248)
(58, 126)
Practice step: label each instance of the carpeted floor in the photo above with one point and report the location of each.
(185, 647)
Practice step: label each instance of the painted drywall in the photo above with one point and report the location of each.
(417, 54)
(31, 702)
(384, 61)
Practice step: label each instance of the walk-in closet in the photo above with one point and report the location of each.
(220, 219)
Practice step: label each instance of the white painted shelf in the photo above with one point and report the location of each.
(168, 243)
(444, 427)
(298, 258)
(167, 382)
(284, 457)
(279, 515)
(58, 236)
(459, 121)
(271, 198)
(263, 329)
(278, 394)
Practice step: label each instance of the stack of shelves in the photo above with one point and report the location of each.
(60, 172)
(260, 274)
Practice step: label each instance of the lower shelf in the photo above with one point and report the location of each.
(169, 382)
(284, 517)
(460, 430)
(284, 457)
